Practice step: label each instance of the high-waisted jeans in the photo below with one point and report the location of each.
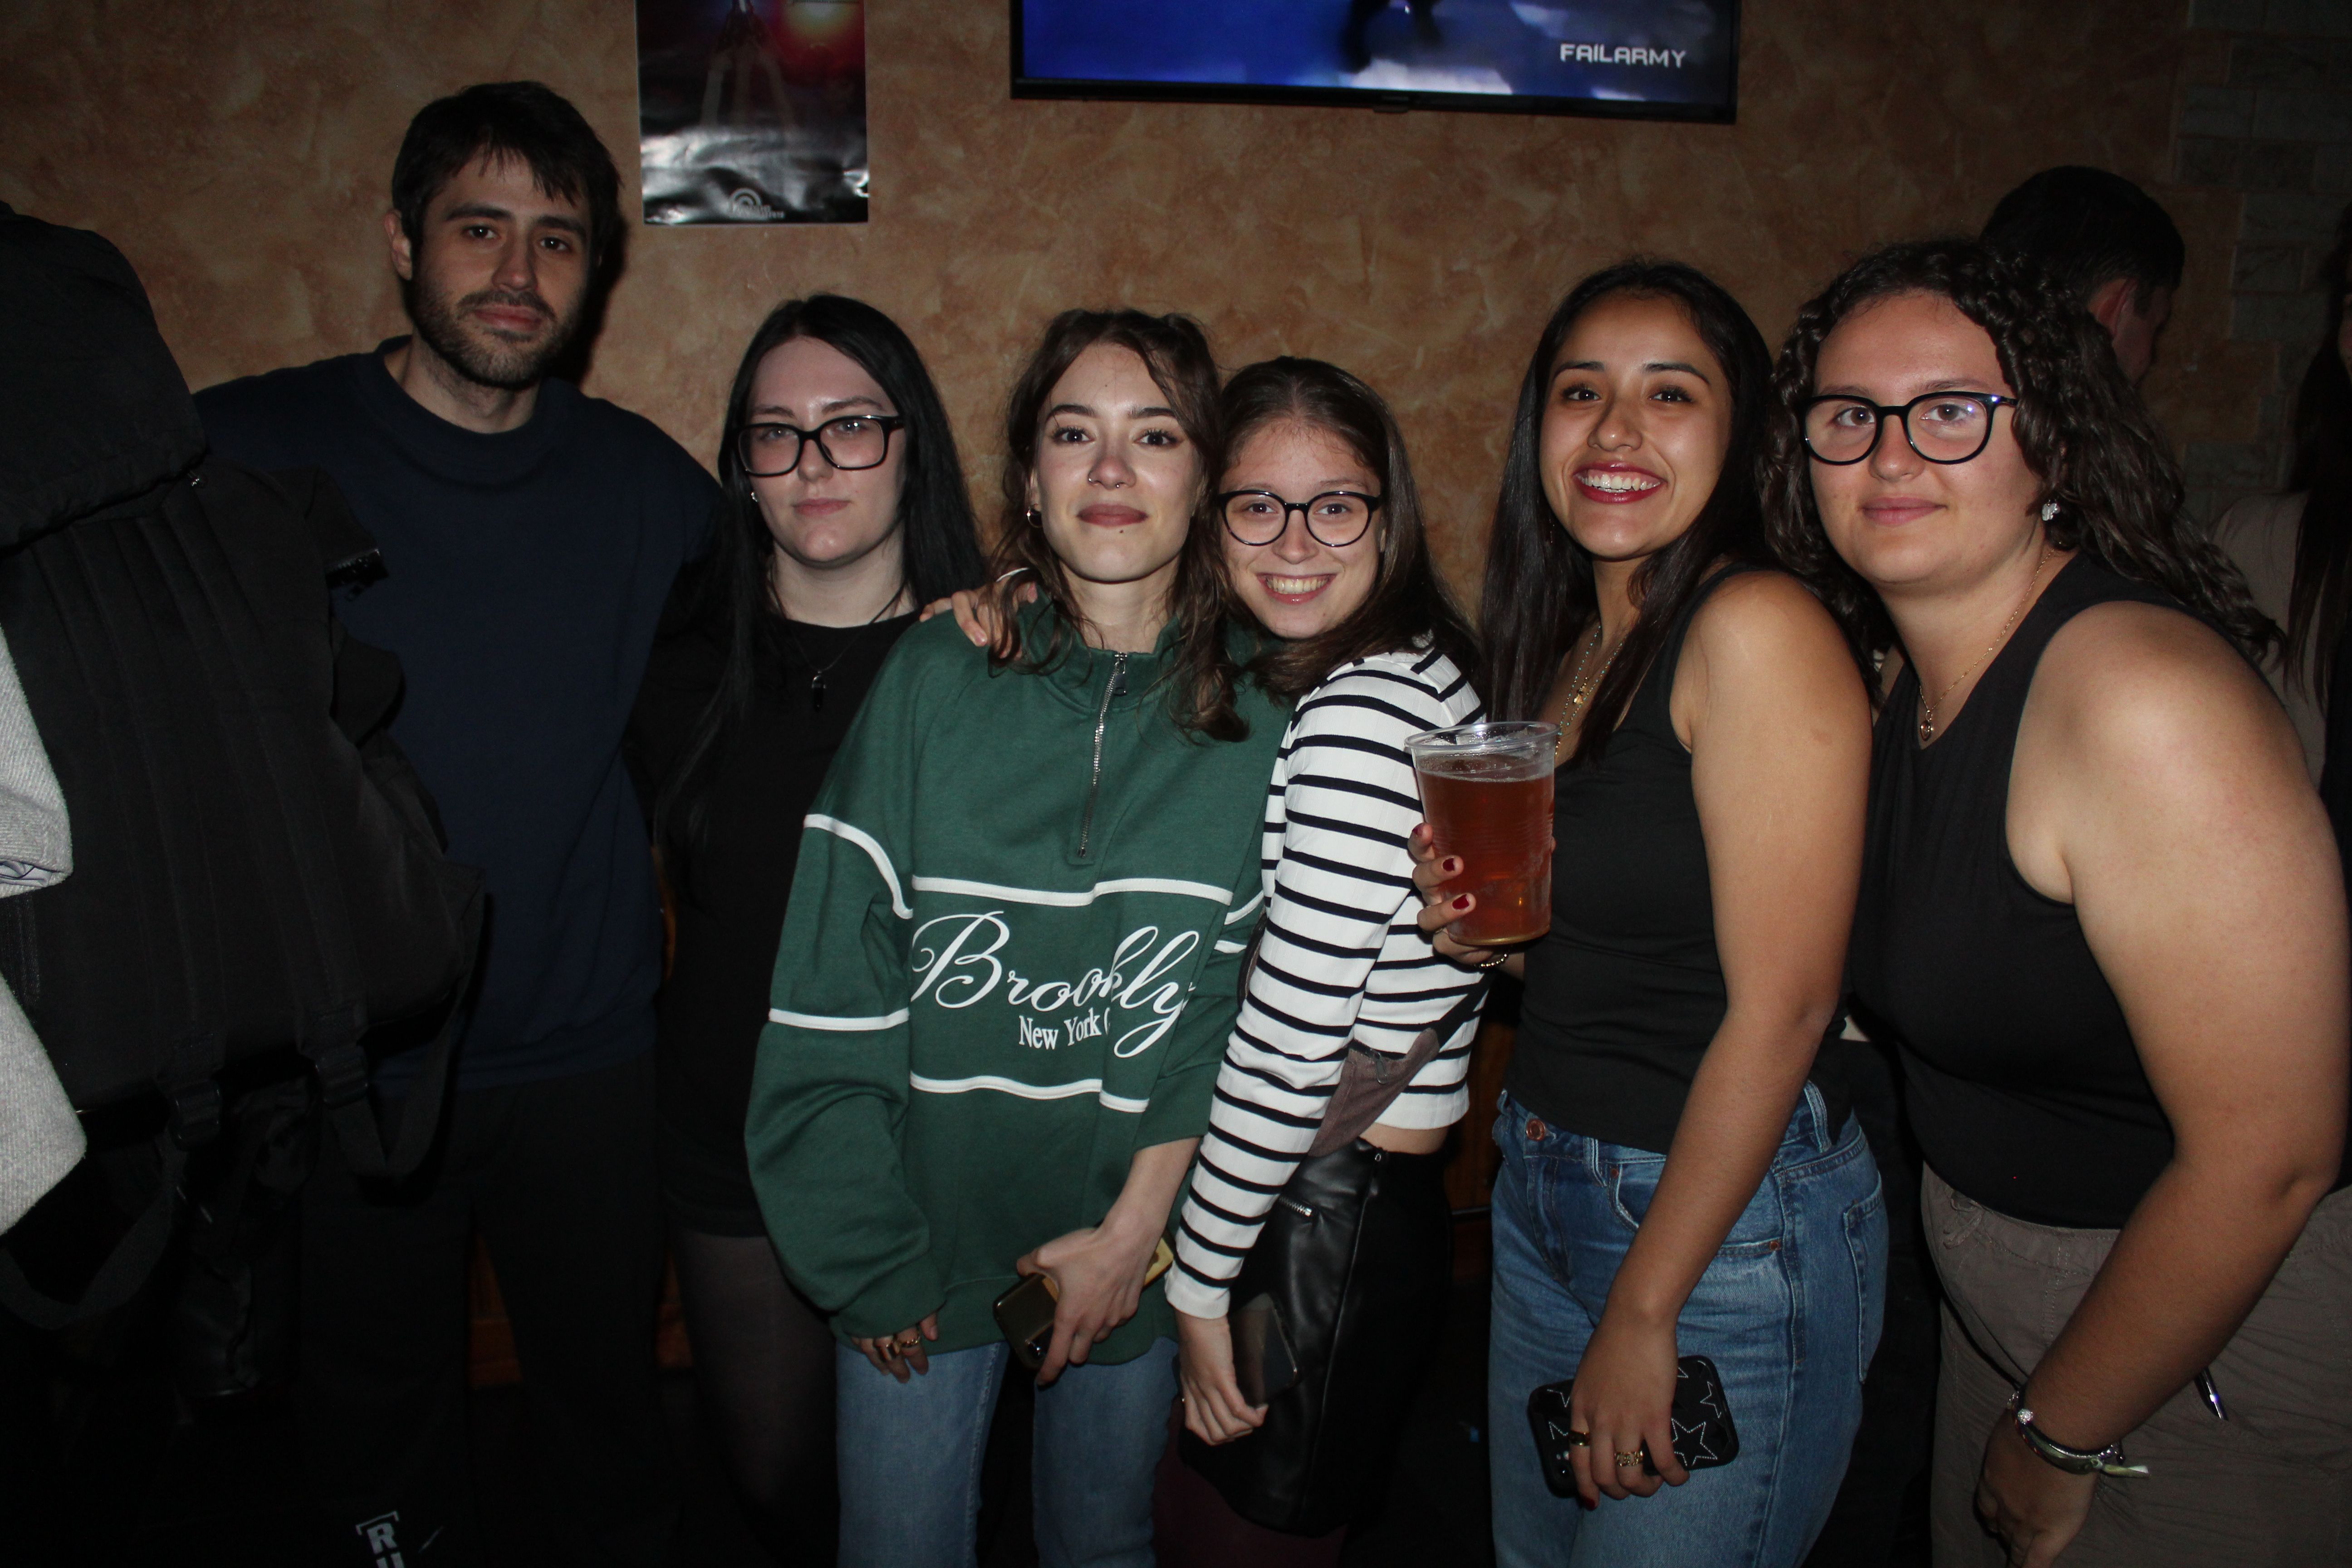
(1789, 1312)
(910, 1457)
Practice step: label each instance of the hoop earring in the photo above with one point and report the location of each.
(1033, 518)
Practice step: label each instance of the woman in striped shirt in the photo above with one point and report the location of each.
(1325, 547)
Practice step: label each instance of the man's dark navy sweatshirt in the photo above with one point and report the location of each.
(525, 574)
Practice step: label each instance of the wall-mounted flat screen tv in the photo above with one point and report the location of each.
(1649, 60)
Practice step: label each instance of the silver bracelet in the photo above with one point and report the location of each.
(2107, 1461)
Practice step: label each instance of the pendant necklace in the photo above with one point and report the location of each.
(1579, 687)
(1929, 728)
(817, 672)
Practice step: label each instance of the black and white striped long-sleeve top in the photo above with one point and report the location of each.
(1342, 957)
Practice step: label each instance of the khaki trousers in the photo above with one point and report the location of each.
(2269, 1487)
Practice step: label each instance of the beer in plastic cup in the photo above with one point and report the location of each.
(1485, 790)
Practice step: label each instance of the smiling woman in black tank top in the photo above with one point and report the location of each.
(2102, 919)
(1679, 1172)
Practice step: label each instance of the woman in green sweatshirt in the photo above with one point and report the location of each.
(1009, 967)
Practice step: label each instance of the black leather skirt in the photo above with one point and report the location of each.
(1358, 1255)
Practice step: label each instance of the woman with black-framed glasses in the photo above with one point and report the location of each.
(2103, 922)
(845, 508)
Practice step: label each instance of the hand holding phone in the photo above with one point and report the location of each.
(1026, 1313)
(1704, 1435)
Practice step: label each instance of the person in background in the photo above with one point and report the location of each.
(1680, 1174)
(529, 536)
(2108, 243)
(1008, 972)
(2101, 920)
(2295, 548)
(846, 509)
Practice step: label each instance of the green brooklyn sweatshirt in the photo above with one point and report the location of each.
(1009, 963)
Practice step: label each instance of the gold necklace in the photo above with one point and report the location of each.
(1580, 688)
(1929, 729)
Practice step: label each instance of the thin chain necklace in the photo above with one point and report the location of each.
(1929, 728)
(818, 672)
(1578, 688)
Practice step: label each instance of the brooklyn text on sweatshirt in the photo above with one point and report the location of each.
(1342, 959)
(1009, 961)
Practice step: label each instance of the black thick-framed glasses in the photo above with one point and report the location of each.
(1941, 427)
(1335, 518)
(854, 441)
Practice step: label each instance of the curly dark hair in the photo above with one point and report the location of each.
(2080, 423)
(1205, 676)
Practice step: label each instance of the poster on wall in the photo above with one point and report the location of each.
(1649, 59)
(752, 110)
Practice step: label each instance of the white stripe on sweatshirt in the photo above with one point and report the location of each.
(1341, 957)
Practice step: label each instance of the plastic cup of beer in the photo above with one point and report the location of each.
(1485, 790)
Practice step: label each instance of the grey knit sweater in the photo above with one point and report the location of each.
(40, 1138)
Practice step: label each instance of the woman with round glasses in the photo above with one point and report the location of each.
(2102, 921)
(845, 508)
(1681, 1175)
(1326, 549)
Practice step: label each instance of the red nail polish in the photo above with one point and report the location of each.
(1461, 904)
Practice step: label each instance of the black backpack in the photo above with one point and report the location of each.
(255, 865)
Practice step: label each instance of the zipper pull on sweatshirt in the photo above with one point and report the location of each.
(1115, 687)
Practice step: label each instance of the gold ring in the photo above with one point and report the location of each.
(1626, 1460)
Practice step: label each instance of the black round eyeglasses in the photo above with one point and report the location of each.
(1335, 518)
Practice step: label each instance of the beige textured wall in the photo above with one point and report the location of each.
(238, 149)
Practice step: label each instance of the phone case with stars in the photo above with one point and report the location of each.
(1704, 1435)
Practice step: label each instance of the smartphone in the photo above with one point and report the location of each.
(1704, 1435)
(1024, 1314)
(1263, 1362)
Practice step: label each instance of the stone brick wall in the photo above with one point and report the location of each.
(2267, 113)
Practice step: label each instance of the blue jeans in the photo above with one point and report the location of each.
(1789, 1312)
(910, 1458)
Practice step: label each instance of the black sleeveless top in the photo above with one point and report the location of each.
(1625, 992)
(2024, 1085)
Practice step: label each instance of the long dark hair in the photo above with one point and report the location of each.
(938, 545)
(2322, 595)
(2081, 426)
(1203, 677)
(1407, 602)
(1540, 595)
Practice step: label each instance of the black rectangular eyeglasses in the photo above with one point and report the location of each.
(1941, 427)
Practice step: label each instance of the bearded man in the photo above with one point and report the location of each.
(530, 534)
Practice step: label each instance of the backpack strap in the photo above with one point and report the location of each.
(332, 1046)
(194, 1095)
(1370, 1082)
(126, 1268)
